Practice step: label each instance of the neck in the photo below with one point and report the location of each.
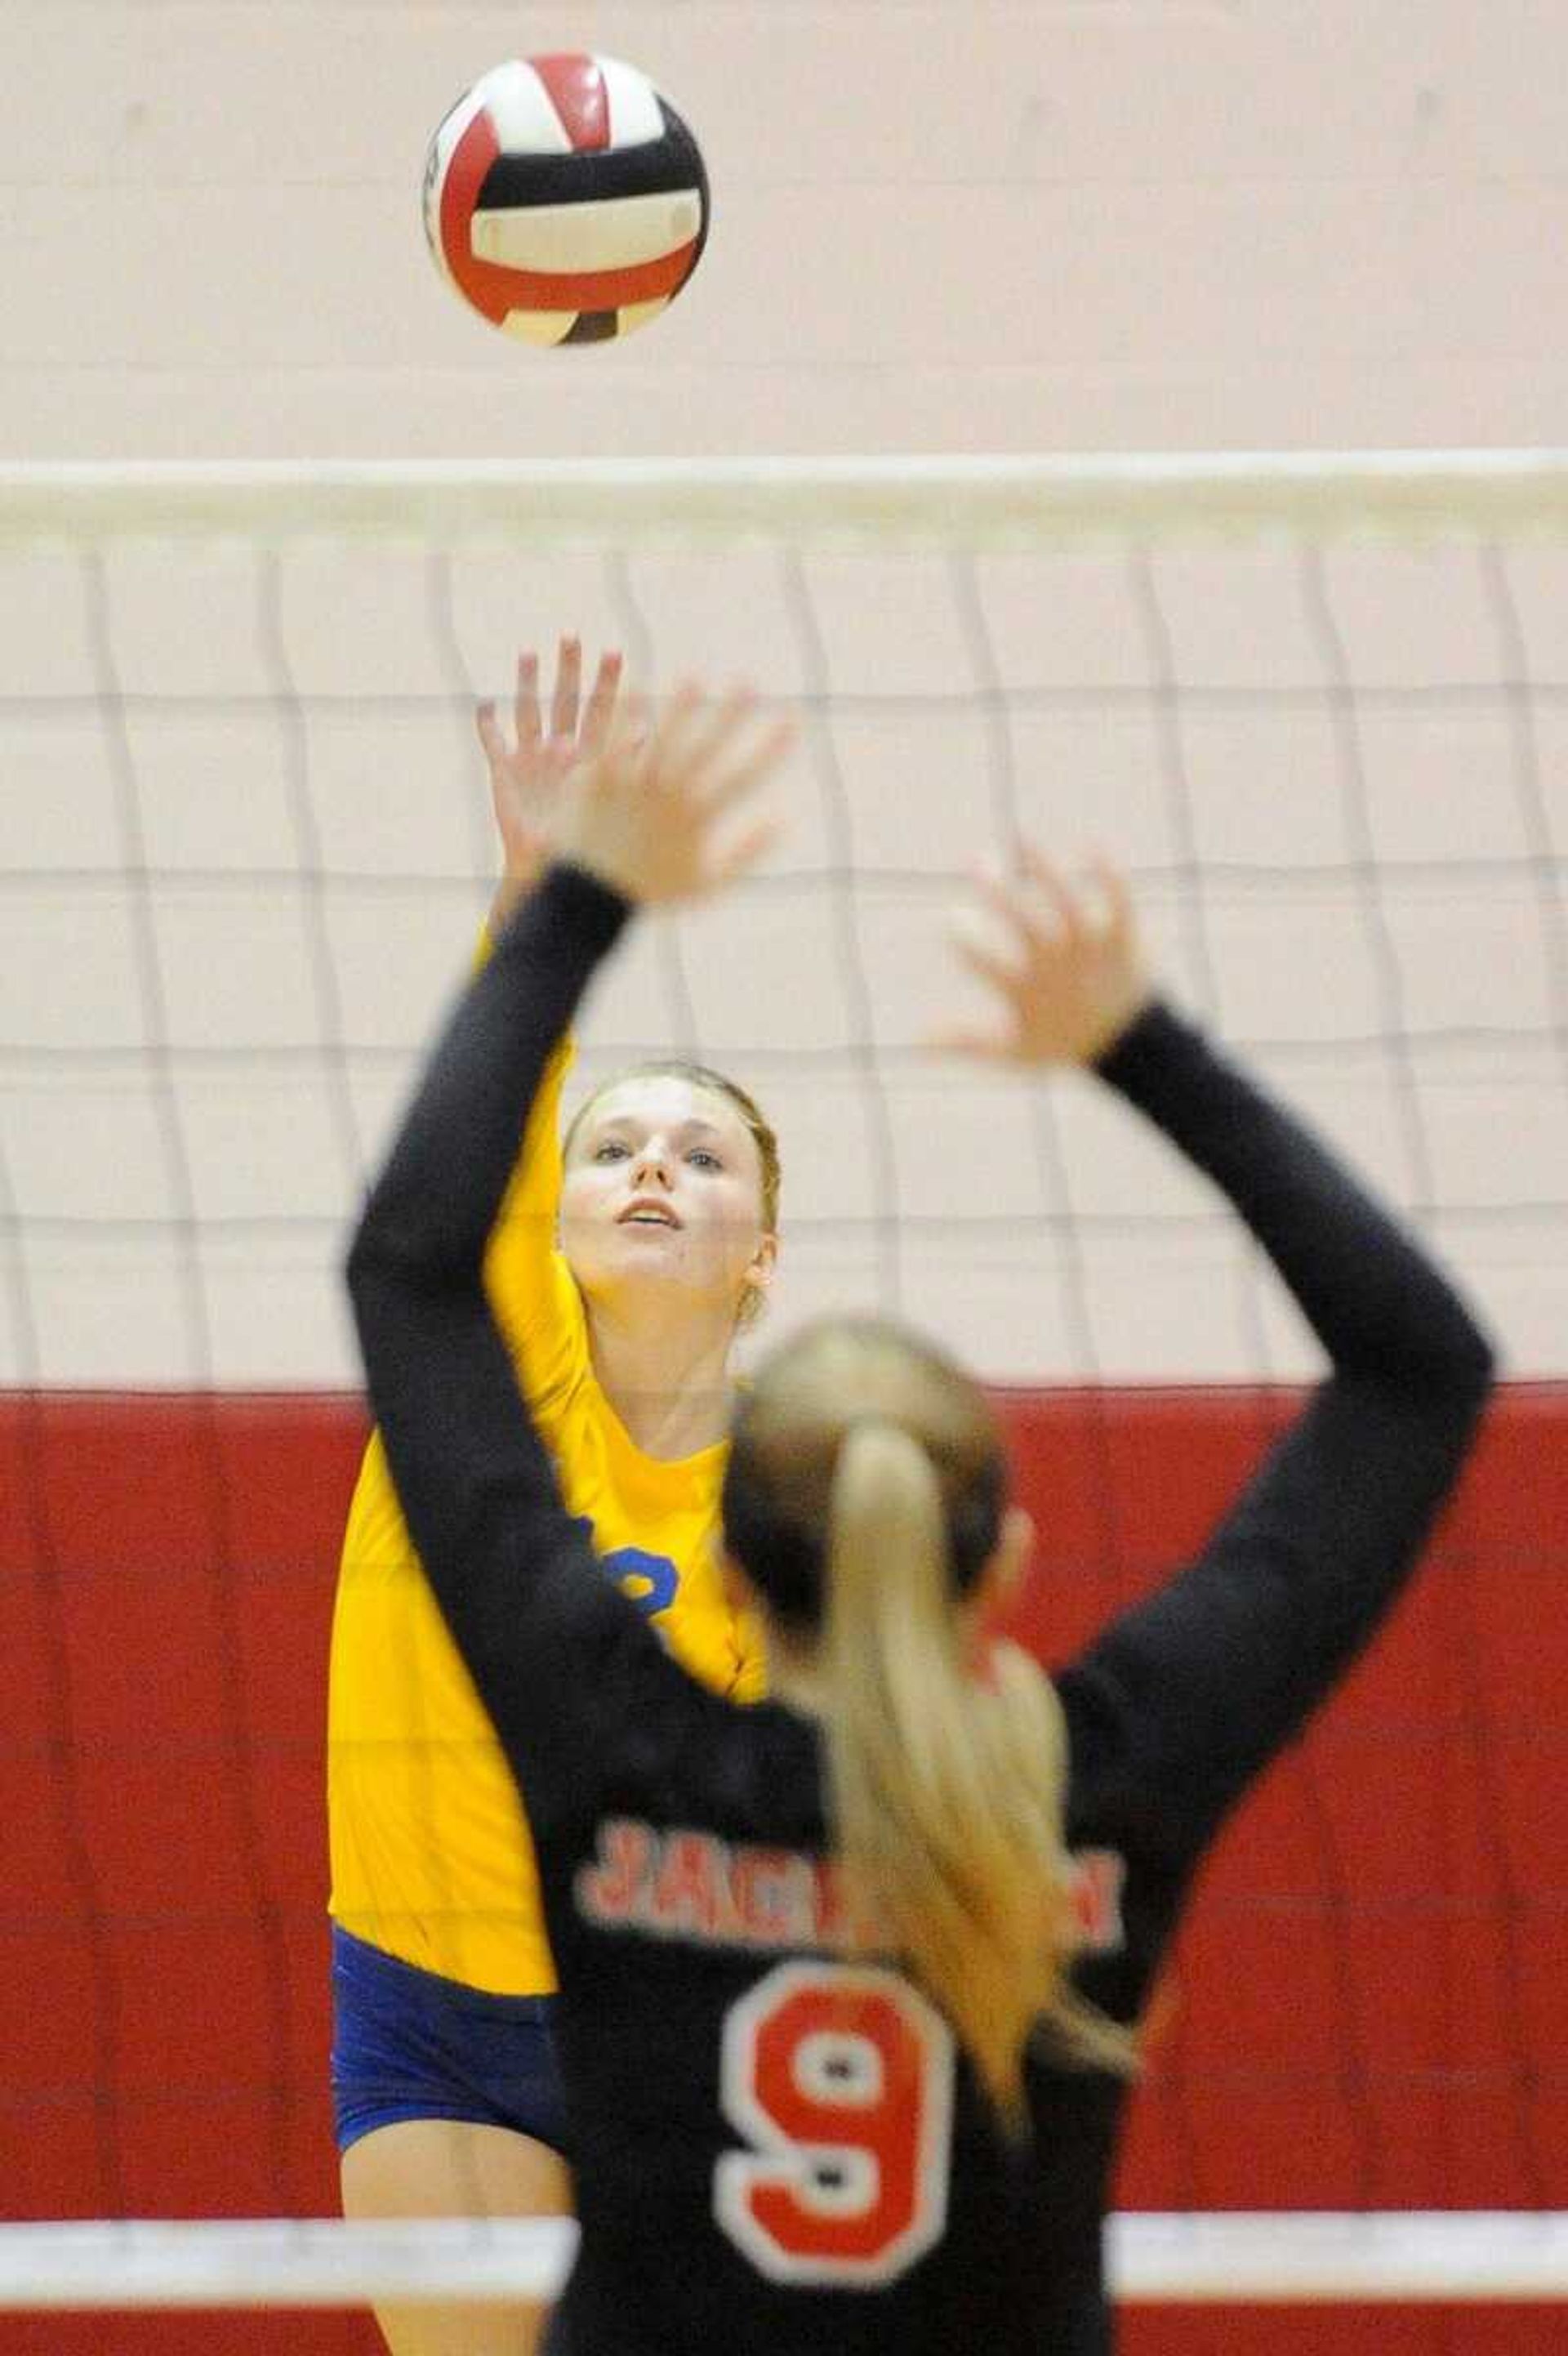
(795, 1678)
(668, 1378)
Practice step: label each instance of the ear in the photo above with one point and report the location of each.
(756, 1283)
(764, 1259)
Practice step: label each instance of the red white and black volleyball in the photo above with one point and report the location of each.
(565, 201)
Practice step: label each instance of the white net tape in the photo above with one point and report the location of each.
(979, 500)
(1409, 2258)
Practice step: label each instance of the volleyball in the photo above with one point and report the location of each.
(565, 201)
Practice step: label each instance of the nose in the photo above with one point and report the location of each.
(651, 1165)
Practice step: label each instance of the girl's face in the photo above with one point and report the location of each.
(662, 1187)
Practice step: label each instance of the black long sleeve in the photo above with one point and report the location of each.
(1374, 1298)
(476, 1488)
(432, 1209)
(1187, 1695)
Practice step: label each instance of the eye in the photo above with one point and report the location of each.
(702, 1158)
(610, 1150)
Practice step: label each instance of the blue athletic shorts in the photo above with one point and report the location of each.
(407, 2044)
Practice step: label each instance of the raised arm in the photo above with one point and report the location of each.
(1189, 1693)
(1218, 1669)
(644, 819)
(528, 768)
(535, 1300)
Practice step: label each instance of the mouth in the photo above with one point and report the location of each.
(647, 1215)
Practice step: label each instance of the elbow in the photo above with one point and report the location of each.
(1445, 1360)
(393, 1258)
(1474, 1349)
(379, 1263)
(1481, 1368)
(385, 1305)
(1464, 1364)
(363, 1260)
(364, 1273)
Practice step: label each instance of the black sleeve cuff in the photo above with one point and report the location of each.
(1143, 1048)
(582, 902)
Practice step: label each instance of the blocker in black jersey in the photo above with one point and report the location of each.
(778, 2147)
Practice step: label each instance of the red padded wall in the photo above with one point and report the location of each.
(1368, 2007)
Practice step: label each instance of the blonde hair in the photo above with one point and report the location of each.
(864, 1497)
(763, 1137)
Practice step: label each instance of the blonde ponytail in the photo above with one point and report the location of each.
(946, 1796)
(864, 1497)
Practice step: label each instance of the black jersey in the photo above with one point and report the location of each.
(776, 2147)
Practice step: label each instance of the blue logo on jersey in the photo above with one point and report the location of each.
(648, 1581)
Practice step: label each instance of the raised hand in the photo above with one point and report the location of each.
(653, 812)
(1072, 976)
(527, 774)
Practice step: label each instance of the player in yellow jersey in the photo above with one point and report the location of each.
(626, 1264)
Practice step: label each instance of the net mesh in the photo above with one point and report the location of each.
(1318, 710)
(245, 847)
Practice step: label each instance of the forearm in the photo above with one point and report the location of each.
(432, 1209)
(1377, 1302)
(1197, 1687)
(474, 1483)
(442, 1386)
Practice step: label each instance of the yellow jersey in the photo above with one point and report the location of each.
(432, 1858)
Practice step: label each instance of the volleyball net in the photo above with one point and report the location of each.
(1255, 2260)
(1315, 708)
(1318, 707)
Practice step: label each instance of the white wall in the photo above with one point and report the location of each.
(242, 840)
(939, 224)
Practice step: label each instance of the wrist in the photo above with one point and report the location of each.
(614, 874)
(1120, 1021)
(1145, 1026)
(571, 881)
(514, 886)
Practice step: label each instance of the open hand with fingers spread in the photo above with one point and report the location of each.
(1072, 976)
(527, 773)
(653, 811)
